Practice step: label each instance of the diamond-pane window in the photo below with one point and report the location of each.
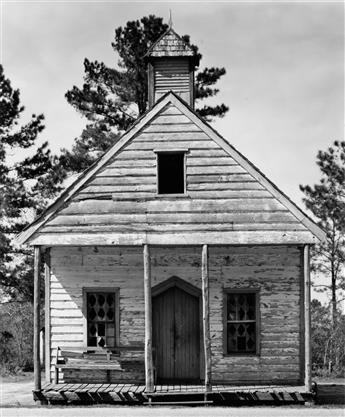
(241, 322)
(101, 325)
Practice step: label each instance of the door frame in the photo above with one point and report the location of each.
(175, 281)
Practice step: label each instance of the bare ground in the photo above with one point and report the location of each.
(172, 412)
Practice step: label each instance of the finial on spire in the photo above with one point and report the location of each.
(170, 19)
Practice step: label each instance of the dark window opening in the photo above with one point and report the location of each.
(241, 322)
(171, 174)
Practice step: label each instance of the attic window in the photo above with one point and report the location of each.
(171, 172)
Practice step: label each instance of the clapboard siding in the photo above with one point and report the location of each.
(175, 217)
(221, 196)
(172, 74)
(171, 135)
(74, 269)
(275, 270)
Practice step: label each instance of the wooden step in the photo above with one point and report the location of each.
(171, 393)
(177, 402)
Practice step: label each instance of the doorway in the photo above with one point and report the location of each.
(176, 331)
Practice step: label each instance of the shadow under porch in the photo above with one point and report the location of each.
(188, 394)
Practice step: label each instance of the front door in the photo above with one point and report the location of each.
(176, 335)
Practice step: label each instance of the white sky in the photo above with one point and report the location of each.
(285, 70)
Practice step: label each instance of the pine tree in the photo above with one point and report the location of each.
(20, 187)
(112, 99)
(328, 355)
(326, 201)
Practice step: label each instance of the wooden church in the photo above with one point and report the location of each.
(173, 259)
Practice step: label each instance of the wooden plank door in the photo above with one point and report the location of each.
(176, 335)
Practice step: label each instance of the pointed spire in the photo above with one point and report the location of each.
(170, 20)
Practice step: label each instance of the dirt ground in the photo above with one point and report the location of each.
(172, 412)
(16, 391)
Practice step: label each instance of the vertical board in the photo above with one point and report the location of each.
(37, 327)
(176, 335)
(47, 313)
(149, 378)
(307, 318)
(187, 336)
(163, 334)
(206, 316)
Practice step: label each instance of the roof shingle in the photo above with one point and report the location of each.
(170, 44)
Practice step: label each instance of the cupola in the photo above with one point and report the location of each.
(171, 64)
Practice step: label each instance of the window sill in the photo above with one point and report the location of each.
(96, 349)
(185, 195)
(241, 355)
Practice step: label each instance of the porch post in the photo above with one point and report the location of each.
(37, 279)
(206, 317)
(149, 380)
(47, 313)
(307, 344)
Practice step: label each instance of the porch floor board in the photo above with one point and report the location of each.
(180, 393)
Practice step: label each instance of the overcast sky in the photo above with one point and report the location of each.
(285, 70)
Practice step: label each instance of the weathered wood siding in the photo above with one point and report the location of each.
(275, 270)
(172, 74)
(73, 269)
(223, 202)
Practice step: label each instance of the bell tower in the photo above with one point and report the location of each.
(171, 64)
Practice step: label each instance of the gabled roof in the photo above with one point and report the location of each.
(141, 123)
(170, 44)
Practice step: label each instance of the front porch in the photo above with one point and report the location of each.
(135, 394)
(279, 359)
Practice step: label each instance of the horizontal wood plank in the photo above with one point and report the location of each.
(175, 217)
(164, 145)
(167, 128)
(176, 227)
(193, 238)
(172, 136)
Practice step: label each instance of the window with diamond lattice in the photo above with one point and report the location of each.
(241, 322)
(101, 311)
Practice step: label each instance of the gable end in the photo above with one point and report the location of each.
(228, 201)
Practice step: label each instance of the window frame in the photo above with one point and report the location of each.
(116, 292)
(183, 151)
(256, 292)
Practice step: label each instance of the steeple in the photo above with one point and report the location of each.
(171, 64)
(170, 20)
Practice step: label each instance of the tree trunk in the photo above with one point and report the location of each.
(334, 299)
(325, 354)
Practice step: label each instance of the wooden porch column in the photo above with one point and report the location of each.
(37, 282)
(149, 380)
(206, 318)
(47, 313)
(307, 318)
